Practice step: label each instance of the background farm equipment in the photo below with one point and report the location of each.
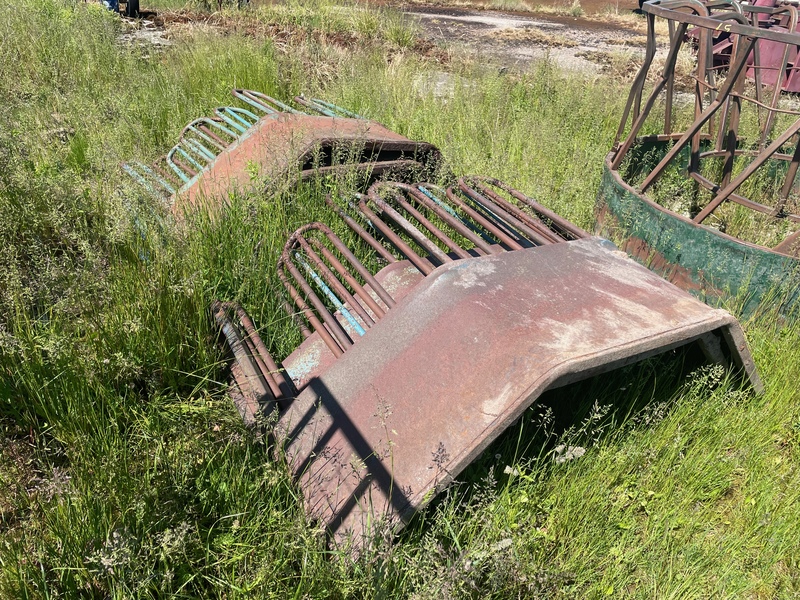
(704, 233)
(771, 62)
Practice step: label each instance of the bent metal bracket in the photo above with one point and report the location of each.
(481, 299)
(713, 204)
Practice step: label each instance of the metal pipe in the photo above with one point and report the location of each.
(308, 313)
(360, 231)
(424, 266)
(501, 236)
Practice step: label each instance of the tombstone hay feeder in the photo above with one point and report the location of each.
(479, 300)
(711, 202)
(452, 311)
(265, 141)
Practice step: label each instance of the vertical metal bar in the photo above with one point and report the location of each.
(360, 231)
(638, 83)
(337, 302)
(733, 72)
(669, 68)
(699, 94)
(362, 293)
(791, 174)
(285, 385)
(332, 324)
(732, 135)
(318, 327)
(776, 92)
(254, 378)
(334, 282)
(356, 264)
(670, 88)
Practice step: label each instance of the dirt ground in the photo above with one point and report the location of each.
(514, 39)
(607, 32)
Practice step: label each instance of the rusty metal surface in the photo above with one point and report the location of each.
(452, 366)
(265, 141)
(484, 300)
(284, 141)
(339, 299)
(710, 213)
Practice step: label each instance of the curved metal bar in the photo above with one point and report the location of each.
(362, 294)
(340, 246)
(337, 302)
(419, 217)
(249, 97)
(338, 109)
(405, 225)
(342, 337)
(360, 231)
(233, 117)
(181, 170)
(309, 314)
(325, 112)
(263, 102)
(202, 128)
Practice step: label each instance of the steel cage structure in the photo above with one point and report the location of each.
(745, 58)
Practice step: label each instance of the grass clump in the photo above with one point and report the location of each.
(125, 471)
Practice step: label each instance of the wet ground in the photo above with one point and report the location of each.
(514, 39)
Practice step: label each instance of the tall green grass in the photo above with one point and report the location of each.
(125, 471)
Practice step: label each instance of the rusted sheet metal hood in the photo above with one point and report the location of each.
(460, 358)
